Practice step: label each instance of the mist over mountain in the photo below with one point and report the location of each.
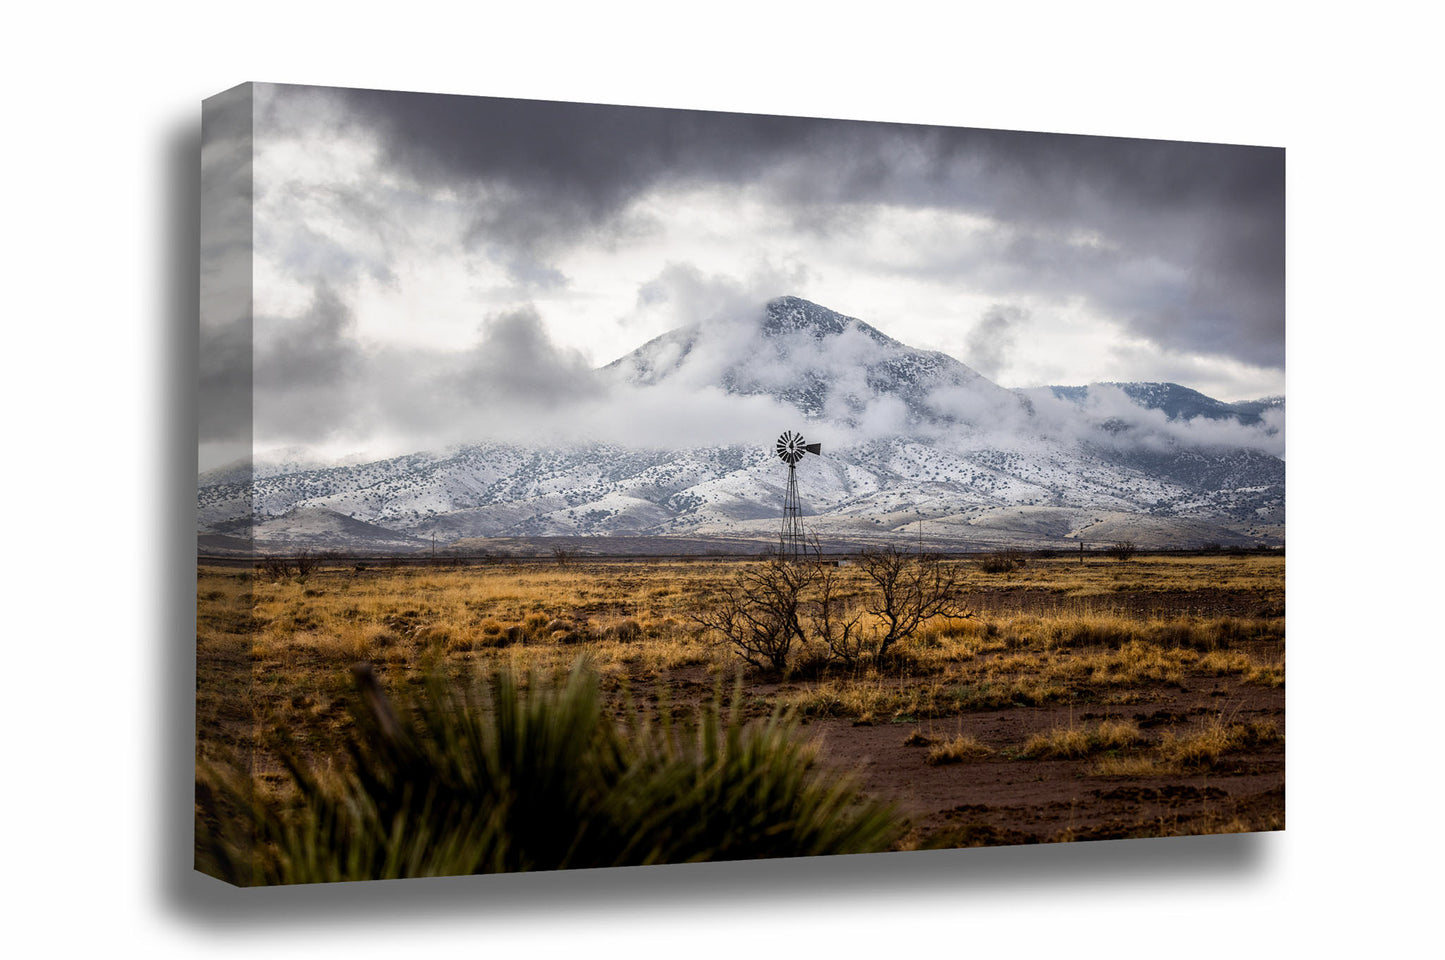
(828, 367)
(914, 443)
(1177, 403)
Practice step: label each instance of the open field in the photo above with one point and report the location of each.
(1103, 699)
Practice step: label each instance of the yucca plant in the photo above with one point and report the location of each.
(534, 779)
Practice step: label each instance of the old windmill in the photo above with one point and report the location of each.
(791, 447)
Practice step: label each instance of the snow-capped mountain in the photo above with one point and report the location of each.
(914, 443)
(827, 365)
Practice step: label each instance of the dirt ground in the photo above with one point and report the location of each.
(1001, 799)
(1004, 798)
(288, 648)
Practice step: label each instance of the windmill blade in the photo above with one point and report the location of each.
(814, 448)
(790, 447)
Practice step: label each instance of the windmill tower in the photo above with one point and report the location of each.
(791, 448)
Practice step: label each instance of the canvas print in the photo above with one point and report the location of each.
(586, 485)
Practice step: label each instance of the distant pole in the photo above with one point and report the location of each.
(1081, 551)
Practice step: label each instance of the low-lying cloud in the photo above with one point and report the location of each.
(993, 338)
(319, 385)
(1110, 417)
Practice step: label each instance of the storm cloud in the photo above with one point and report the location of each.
(319, 388)
(1183, 243)
(433, 266)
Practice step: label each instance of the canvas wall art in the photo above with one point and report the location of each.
(586, 486)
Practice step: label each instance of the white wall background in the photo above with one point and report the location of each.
(102, 110)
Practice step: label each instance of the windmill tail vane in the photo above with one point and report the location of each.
(790, 449)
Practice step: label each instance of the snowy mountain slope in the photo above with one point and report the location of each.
(909, 437)
(312, 528)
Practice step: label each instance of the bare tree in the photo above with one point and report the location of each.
(277, 568)
(779, 607)
(911, 590)
(761, 616)
(1122, 550)
(1002, 561)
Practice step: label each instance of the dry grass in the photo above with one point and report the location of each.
(908, 697)
(1199, 749)
(1207, 744)
(956, 750)
(273, 653)
(1065, 576)
(1075, 743)
(1133, 767)
(277, 649)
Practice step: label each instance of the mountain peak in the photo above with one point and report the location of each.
(825, 364)
(789, 314)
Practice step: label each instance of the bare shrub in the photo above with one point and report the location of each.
(781, 609)
(1001, 561)
(1121, 550)
(760, 617)
(912, 588)
(276, 568)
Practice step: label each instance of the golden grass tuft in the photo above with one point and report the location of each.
(1076, 743)
(956, 750)
(1209, 742)
(1193, 751)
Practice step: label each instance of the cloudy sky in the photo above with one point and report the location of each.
(419, 253)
